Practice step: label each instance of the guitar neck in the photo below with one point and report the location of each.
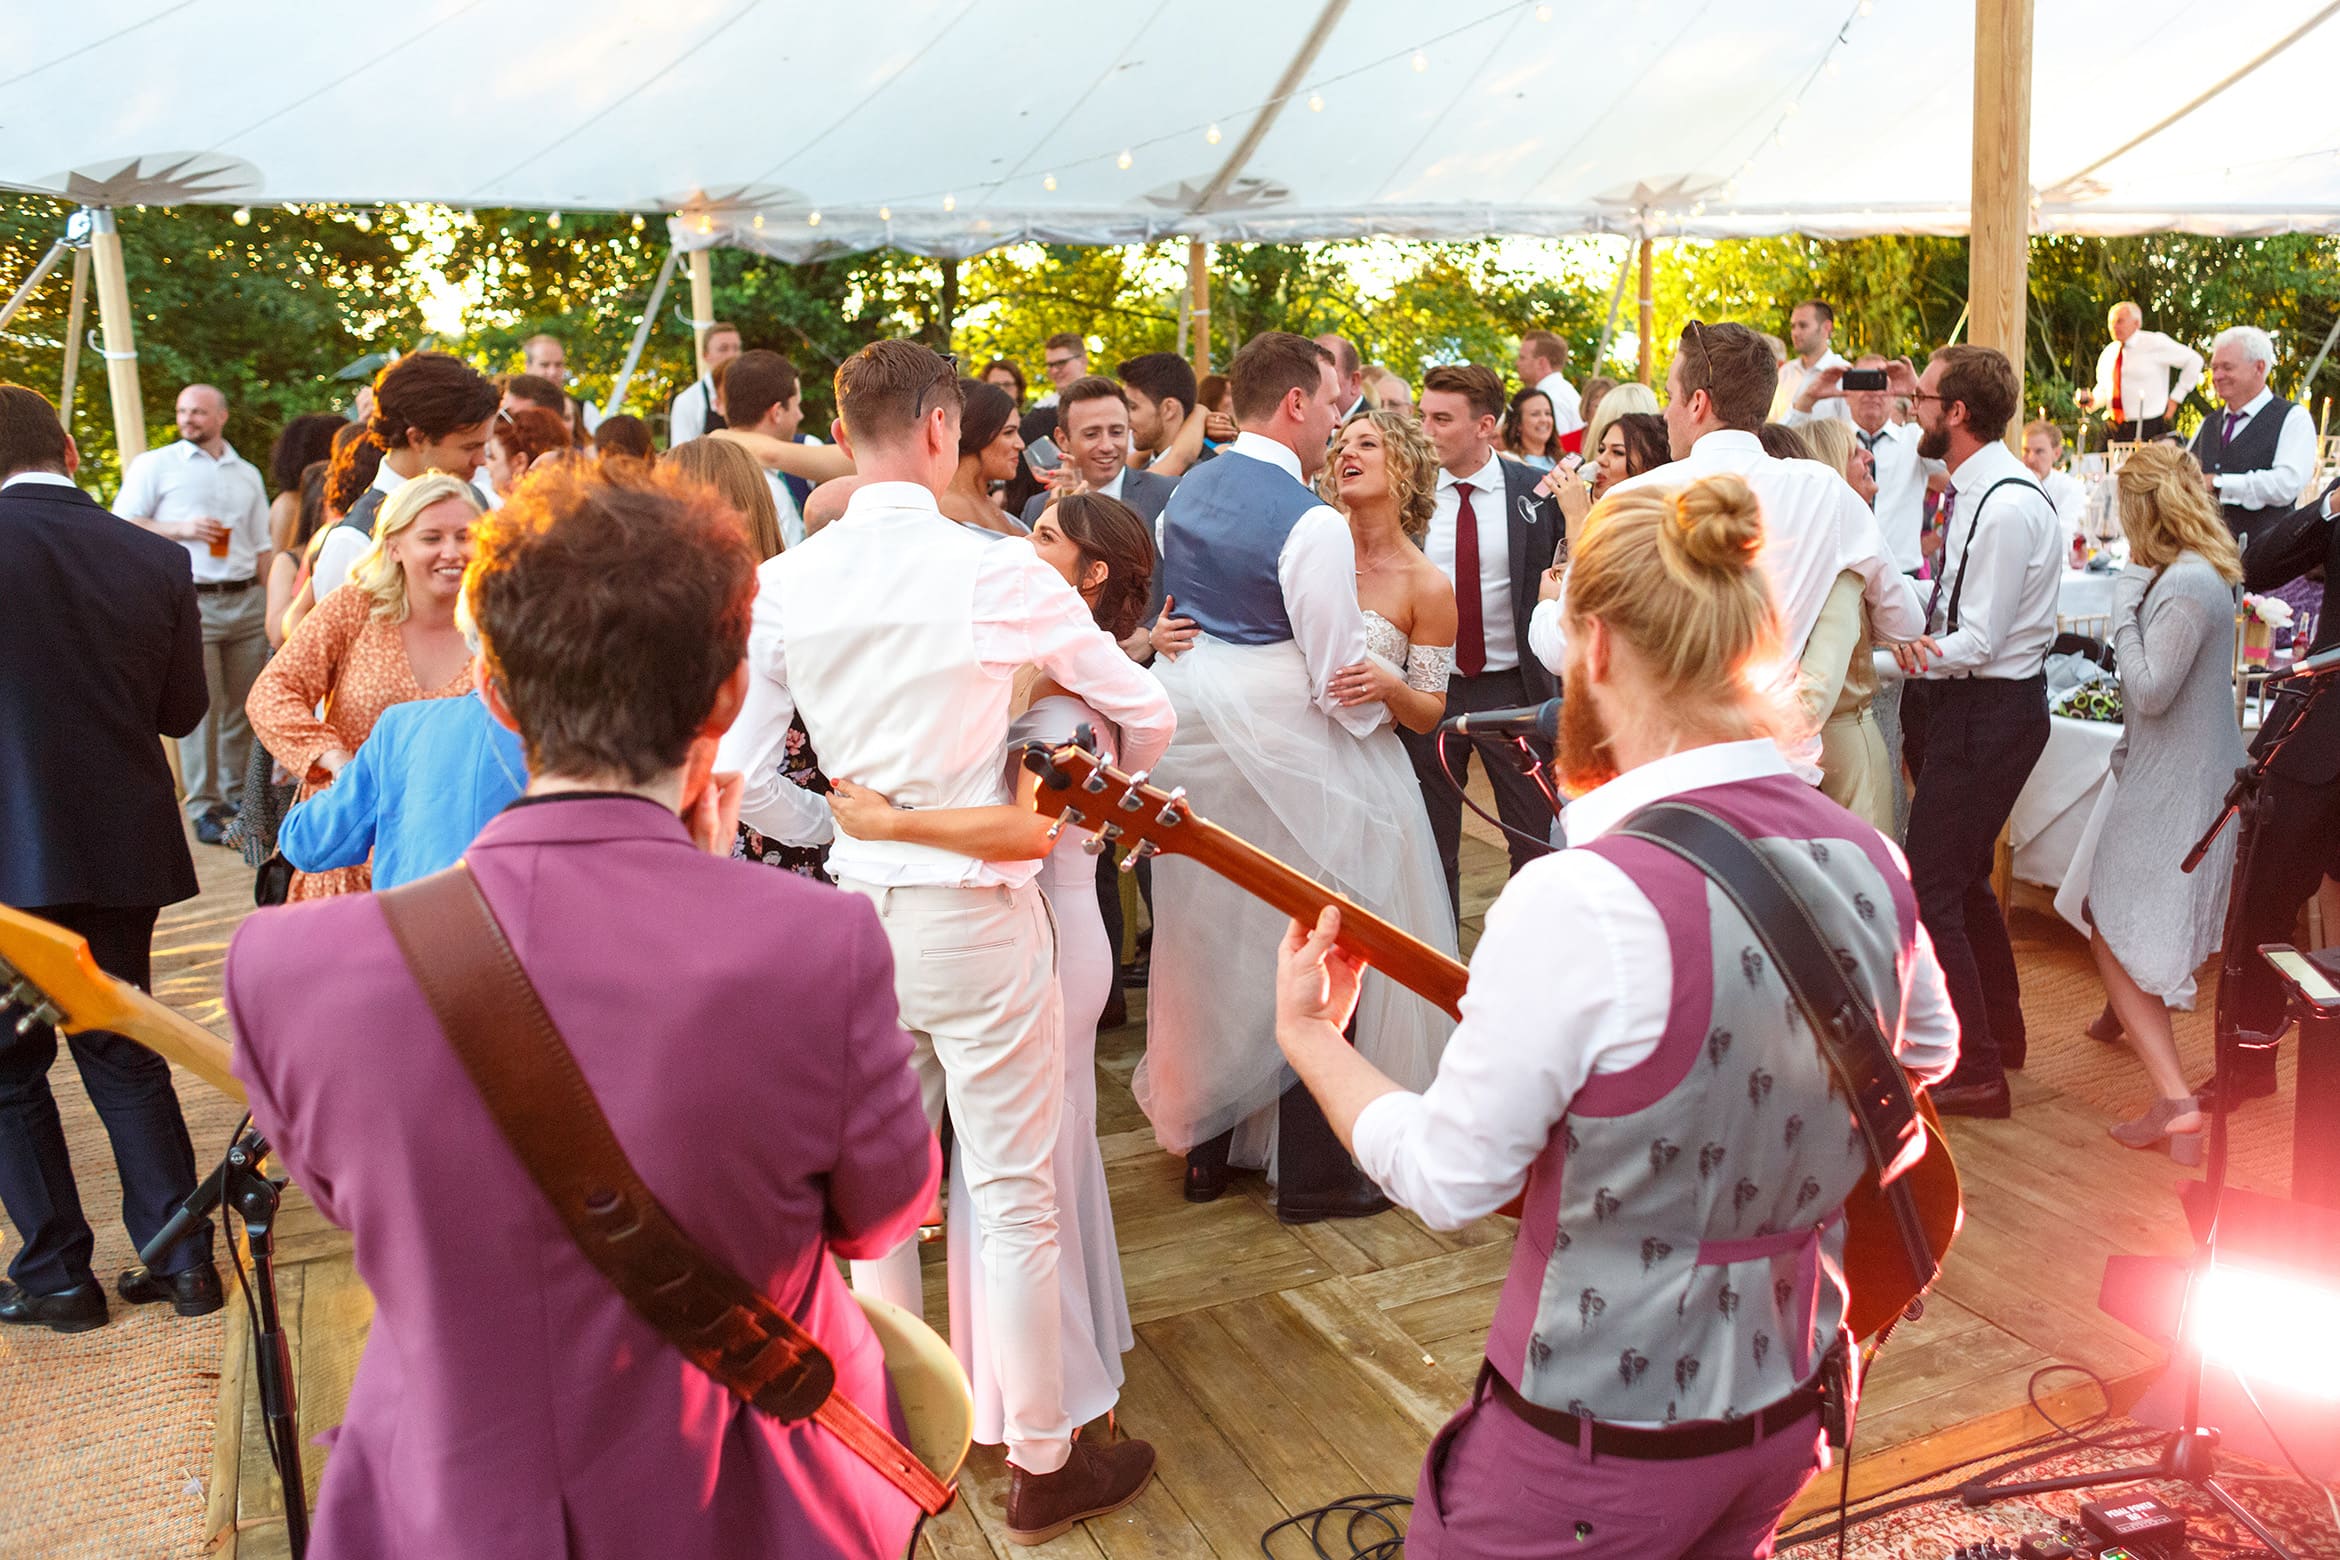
(1403, 957)
(177, 1038)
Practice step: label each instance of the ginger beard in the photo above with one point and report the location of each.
(1583, 754)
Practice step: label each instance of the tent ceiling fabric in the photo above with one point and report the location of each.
(953, 126)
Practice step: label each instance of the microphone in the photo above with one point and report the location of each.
(1526, 720)
(2323, 664)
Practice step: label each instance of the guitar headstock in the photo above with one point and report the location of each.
(48, 976)
(1080, 790)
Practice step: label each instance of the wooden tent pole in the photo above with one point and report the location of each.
(1648, 315)
(702, 305)
(1198, 289)
(105, 245)
(75, 313)
(1997, 286)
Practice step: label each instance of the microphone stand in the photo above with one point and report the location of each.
(240, 1183)
(2190, 1456)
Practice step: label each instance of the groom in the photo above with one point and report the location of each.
(1255, 559)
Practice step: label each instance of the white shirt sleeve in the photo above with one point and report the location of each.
(1318, 570)
(2188, 364)
(1928, 1048)
(1993, 584)
(770, 803)
(1525, 1046)
(1896, 610)
(1547, 639)
(687, 419)
(336, 556)
(2104, 376)
(140, 490)
(254, 524)
(2277, 487)
(1026, 615)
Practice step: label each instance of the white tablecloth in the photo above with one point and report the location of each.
(2050, 824)
(2086, 594)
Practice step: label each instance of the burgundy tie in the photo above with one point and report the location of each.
(1470, 635)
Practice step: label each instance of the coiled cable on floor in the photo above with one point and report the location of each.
(1379, 1539)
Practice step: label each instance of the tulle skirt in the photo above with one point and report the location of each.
(1259, 759)
(1095, 1327)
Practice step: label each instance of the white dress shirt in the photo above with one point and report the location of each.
(898, 634)
(180, 482)
(344, 545)
(1793, 376)
(2070, 496)
(1528, 1043)
(1901, 490)
(1567, 406)
(791, 517)
(1317, 571)
(51, 478)
(2279, 485)
(687, 418)
(1489, 503)
(2007, 609)
(2145, 388)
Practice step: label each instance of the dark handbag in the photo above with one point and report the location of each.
(272, 884)
(530, 1081)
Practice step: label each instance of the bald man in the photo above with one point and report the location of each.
(2133, 388)
(201, 494)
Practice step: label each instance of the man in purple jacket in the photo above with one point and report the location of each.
(737, 1026)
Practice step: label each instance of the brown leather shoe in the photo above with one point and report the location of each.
(1095, 1480)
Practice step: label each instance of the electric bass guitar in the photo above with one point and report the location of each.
(1080, 790)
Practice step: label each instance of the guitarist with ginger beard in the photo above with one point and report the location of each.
(1655, 1375)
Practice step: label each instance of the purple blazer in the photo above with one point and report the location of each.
(738, 1027)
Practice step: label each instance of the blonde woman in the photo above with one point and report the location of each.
(1384, 476)
(1838, 681)
(384, 638)
(2152, 925)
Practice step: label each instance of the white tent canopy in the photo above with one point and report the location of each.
(953, 126)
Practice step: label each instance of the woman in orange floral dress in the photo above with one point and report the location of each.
(384, 638)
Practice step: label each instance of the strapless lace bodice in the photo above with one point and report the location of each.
(1425, 669)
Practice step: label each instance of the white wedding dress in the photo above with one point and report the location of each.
(1258, 758)
(1095, 1327)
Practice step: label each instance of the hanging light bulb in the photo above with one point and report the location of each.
(1123, 161)
(553, 221)
(950, 203)
(885, 213)
(637, 222)
(758, 223)
(1830, 65)
(812, 219)
(1794, 107)
(706, 223)
(1316, 102)
(1212, 135)
(1421, 61)
(1543, 13)
(1048, 181)
(1868, 7)
(365, 223)
(243, 216)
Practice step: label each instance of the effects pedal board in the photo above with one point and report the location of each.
(2129, 1529)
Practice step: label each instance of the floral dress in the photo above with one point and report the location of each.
(800, 766)
(349, 665)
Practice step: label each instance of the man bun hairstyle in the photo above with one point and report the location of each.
(1108, 531)
(1735, 369)
(1474, 382)
(31, 438)
(1163, 376)
(1270, 366)
(612, 608)
(435, 392)
(885, 388)
(1983, 381)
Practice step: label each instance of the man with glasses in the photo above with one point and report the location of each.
(898, 639)
(1067, 362)
(1974, 713)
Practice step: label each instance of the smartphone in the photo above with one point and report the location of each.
(1864, 379)
(1043, 455)
(2296, 969)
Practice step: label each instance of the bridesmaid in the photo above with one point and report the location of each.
(1101, 548)
(384, 638)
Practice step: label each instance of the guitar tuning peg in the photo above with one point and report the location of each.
(1109, 832)
(38, 1013)
(1094, 845)
(1142, 850)
(1130, 800)
(1095, 783)
(1054, 830)
(1170, 816)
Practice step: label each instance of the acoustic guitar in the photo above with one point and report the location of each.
(1080, 790)
(49, 973)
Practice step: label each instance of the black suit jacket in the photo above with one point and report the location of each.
(1532, 545)
(2280, 551)
(1143, 491)
(101, 656)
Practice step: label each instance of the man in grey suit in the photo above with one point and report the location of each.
(1092, 428)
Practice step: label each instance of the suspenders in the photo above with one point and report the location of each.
(1958, 587)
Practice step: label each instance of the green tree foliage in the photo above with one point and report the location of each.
(266, 310)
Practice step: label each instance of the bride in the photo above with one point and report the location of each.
(1350, 807)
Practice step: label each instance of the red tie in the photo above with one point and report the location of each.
(1470, 636)
(2120, 361)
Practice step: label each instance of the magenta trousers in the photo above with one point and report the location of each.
(1496, 1488)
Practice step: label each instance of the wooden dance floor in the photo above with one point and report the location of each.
(1279, 1369)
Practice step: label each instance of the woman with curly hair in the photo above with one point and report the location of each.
(1383, 475)
(1102, 549)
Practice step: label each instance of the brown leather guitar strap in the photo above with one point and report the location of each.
(492, 1016)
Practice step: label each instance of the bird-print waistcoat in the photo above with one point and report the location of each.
(1680, 1246)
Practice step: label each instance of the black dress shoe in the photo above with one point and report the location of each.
(75, 1310)
(1361, 1199)
(1988, 1099)
(2252, 1085)
(1115, 1012)
(195, 1292)
(209, 831)
(1205, 1181)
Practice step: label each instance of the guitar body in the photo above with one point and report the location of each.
(937, 1407)
(1082, 790)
